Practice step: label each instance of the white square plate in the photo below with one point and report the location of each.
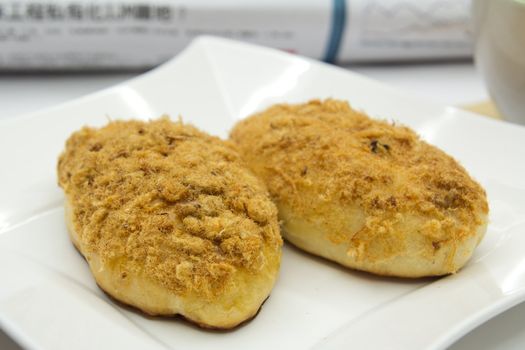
(48, 299)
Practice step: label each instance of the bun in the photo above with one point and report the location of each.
(170, 221)
(364, 193)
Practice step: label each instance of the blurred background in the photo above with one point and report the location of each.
(139, 34)
(55, 50)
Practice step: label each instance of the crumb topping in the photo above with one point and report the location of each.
(165, 200)
(324, 152)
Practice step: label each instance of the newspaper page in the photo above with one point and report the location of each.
(382, 30)
(139, 34)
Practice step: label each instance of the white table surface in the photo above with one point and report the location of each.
(447, 83)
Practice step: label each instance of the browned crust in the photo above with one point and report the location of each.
(205, 326)
(149, 314)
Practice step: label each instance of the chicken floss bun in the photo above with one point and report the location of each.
(362, 192)
(170, 220)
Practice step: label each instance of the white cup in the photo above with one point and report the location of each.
(499, 28)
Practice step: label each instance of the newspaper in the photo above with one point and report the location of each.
(138, 34)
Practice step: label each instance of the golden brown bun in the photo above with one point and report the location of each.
(364, 193)
(170, 221)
